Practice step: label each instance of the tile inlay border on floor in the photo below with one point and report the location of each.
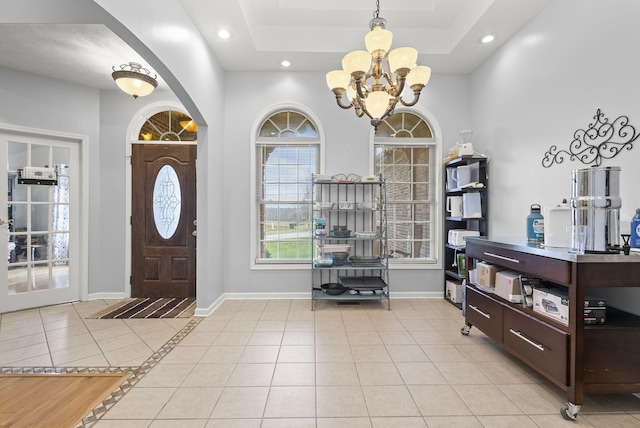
(136, 374)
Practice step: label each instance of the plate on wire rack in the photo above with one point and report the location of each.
(363, 282)
(364, 261)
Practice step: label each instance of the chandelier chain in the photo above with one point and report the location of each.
(376, 14)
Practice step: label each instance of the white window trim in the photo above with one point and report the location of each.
(438, 142)
(253, 232)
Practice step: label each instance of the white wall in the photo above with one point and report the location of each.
(223, 157)
(36, 102)
(194, 76)
(347, 151)
(547, 82)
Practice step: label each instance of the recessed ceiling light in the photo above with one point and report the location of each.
(285, 63)
(224, 34)
(488, 38)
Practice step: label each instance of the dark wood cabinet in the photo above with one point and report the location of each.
(484, 312)
(541, 345)
(581, 359)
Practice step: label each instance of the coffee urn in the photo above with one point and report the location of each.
(595, 203)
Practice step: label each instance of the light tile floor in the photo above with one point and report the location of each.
(276, 363)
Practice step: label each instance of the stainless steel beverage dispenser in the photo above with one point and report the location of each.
(595, 203)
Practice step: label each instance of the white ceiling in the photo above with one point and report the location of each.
(314, 35)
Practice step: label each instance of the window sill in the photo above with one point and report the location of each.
(277, 265)
(413, 265)
(393, 265)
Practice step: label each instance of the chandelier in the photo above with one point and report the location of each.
(370, 89)
(134, 80)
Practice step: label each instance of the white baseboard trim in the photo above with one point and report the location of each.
(204, 312)
(270, 296)
(417, 295)
(107, 296)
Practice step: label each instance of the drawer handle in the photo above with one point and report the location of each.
(529, 341)
(480, 312)
(509, 259)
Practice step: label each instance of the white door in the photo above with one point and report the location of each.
(40, 222)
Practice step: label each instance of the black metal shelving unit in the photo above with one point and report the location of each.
(360, 205)
(451, 271)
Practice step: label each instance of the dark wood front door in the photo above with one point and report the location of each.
(163, 220)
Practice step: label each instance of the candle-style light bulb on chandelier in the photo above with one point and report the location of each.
(134, 80)
(363, 73)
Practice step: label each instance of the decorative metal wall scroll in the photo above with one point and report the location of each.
(601, 140)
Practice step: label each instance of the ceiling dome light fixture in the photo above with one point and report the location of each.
(224, 34)
(134, 80)
(285, 63)
(375, 98)
(488, 38)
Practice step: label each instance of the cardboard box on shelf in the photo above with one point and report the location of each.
(554, 303)
(453, 291)
(486, 274)
(508, 286)
(551, 303)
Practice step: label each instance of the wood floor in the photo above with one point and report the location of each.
(52, 400)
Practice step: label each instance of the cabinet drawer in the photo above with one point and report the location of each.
(484, 313)
(544, 267)
(541, 345)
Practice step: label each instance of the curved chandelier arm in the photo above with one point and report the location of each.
(401, 78)
(339, 92)
(390, 83)
(416, 96)
(359, 79)
(359, 112)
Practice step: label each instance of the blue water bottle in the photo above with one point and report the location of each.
(634, 242)
(535, 225)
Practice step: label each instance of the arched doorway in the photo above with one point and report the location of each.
(162, 204)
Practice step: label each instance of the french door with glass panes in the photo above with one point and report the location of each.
(41, 226)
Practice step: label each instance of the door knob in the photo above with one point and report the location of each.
(194, 233)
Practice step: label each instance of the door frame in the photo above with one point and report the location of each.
(133, 130)
(84, 177)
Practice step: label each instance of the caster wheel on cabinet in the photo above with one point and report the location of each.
(569, 411)
(465, 330)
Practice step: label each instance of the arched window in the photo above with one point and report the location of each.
(404, 155)
(169, 126)
(287, 155)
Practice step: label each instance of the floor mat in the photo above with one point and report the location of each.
(150, 307)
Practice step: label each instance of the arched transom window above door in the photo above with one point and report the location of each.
(169, 125)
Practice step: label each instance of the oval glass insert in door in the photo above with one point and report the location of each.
(167, 201)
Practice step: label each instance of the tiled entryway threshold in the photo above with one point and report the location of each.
(275, 363)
